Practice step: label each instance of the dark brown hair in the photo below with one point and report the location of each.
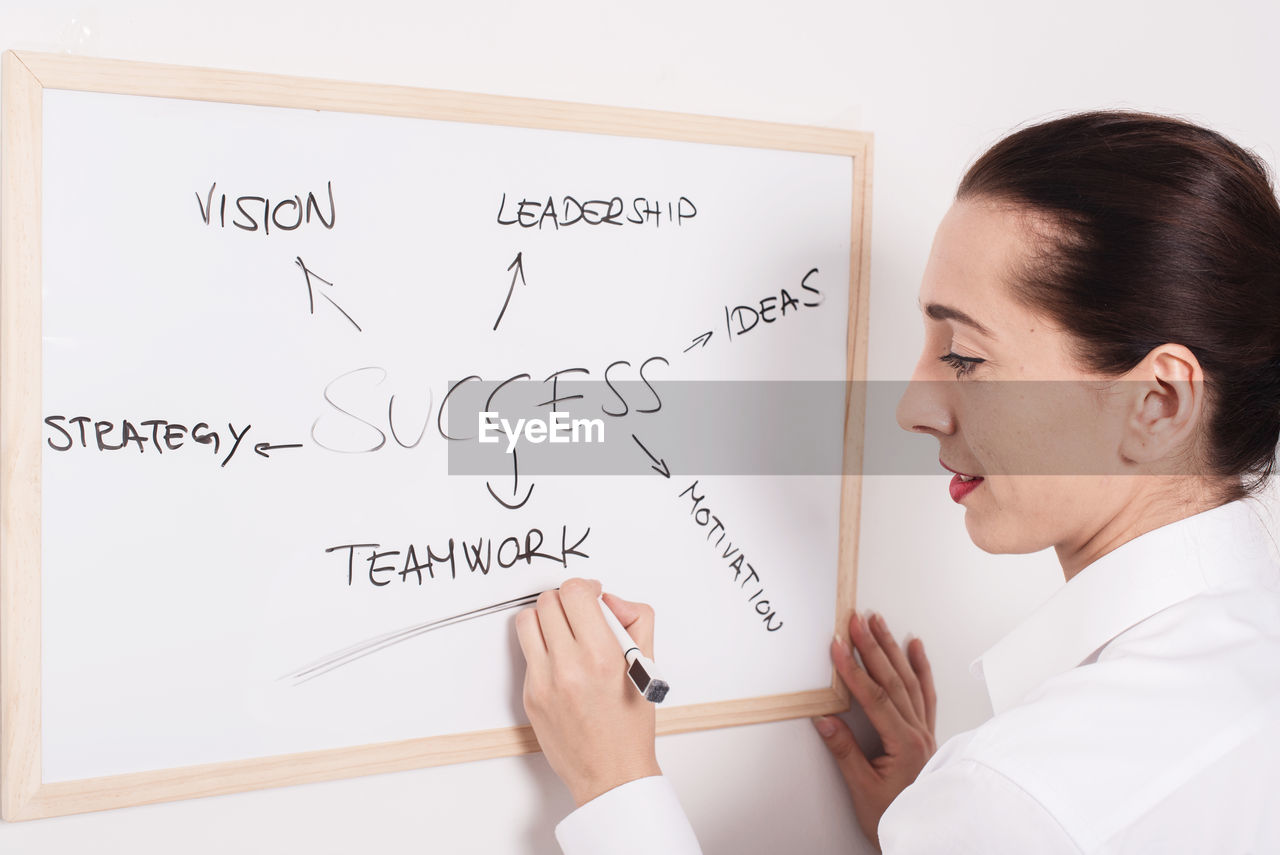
(1164, 232)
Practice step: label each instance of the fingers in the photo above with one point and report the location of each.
(877, 664)
(531, 643)
(869, 694)
(572, 615)
(555, 626)
(924, 673)
(636, 618)
(898, 659)
(846, 750)
(582, 610)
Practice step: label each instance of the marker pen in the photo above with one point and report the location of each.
(640, 668)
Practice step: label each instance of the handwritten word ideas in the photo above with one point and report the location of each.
(746, 317)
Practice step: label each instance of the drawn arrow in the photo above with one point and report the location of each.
(660, 465)
(515, 487)
(518, 264)
(263, 447)
(702, 339)
(311, 296)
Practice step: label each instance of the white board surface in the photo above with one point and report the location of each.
(179, 593)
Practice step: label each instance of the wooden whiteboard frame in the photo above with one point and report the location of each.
(23, 793)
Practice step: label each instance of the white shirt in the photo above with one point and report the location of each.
(1136, 711)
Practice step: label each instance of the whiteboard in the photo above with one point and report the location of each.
(255, 540)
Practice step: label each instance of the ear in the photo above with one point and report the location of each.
(1167, 400)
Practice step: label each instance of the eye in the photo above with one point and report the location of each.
(962, 364)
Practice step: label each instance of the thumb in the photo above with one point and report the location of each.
(636, 618)
(840, 742)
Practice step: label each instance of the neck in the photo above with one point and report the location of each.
(1156, 501)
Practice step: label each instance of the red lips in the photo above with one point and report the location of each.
(962, 484)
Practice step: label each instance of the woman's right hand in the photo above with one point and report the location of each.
(895, 689)
(595, 729)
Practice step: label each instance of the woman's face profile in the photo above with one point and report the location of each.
(1001, 390)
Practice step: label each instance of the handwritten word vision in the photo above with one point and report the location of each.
(158, 435)
(380, 567)
(531, 214)
(252, 213)
(732, 555)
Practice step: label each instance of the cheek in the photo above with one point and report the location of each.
(1039, 429)
(1001, 431)
(1045, 447)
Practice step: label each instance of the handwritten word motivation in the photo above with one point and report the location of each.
(732, 555)
(159, 435)
(531, 214)
(252, 213)
(382, 566)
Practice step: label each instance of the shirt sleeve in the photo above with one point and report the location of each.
(968, 808)
(641, 817)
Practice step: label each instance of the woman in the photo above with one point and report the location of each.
(1102, 373)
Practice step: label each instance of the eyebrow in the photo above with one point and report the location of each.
(940, 312)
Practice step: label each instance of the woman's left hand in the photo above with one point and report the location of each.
(895, 690)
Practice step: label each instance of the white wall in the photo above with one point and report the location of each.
(936, 82)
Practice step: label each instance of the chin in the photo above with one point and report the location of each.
(1000, 534)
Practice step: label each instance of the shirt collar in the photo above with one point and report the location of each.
(1228, 546)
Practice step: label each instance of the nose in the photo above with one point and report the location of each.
(924, 406)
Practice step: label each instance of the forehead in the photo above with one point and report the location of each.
(976, 253)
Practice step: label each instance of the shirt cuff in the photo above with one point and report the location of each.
(640, 817)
